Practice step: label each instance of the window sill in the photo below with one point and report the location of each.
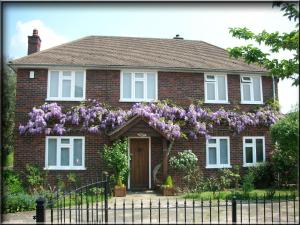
(227, 103)
(251, 103)
(252, 164)
(64, 168)
(218, 167)
(65, 100)
(134, 100)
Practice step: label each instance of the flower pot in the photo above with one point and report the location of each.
(167, 191)
(120, 191)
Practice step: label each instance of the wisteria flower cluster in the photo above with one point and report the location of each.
(171, 120)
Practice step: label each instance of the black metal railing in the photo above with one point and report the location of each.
(84, 205)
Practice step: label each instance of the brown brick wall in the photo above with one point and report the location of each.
(104, 86)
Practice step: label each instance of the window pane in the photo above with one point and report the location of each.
(223, 151)
(151, 87)
(139, 89)
(249, 156)
(210, 91)
(212, 141)
(77, 152)
(248, 140)
(54, 79)
(259, 150)
(67, 73)
(221, 88)
(65, 141)
(256, 88)
(65, 153)
(210, 77)
(246, 92)
(139, 75)
(66, 88)
(127, 85)
(212, 153)
(52, 147)
(78, 84)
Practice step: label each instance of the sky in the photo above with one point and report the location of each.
(58, 23)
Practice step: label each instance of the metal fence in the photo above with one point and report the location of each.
(92, 204)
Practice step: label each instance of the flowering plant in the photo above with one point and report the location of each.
(173, 121)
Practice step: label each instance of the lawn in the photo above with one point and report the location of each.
(259, 193)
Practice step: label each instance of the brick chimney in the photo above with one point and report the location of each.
(34, 42)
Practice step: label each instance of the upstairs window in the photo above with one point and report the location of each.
(251, 90)
(64, 152)
(216, 88)
(217, 152)
(66, 85)
(138, 86)
(254, 150)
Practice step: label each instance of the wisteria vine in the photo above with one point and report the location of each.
(173, 121)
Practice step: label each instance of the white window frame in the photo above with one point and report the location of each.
(216, 88)
(58, 153)
(251, 89)
(253, 145)
(217, 146)
(133, 79)
(60, 79)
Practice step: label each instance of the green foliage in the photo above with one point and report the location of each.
(61, 185)
(169, 182)
(8, 110)
(18, 202)
(35, 178)
(274, 104)
(286, 68)
(285, 136)
(116, 159)
(263, 175)
(73, 179)
(185, 161)
(248, 182)
(12, 183)
(229, 178)
(212, 184)
(120, 182)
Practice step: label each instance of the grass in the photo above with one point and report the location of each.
(9, 160)
(260, 193)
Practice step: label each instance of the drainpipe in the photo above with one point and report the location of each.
(274, 92)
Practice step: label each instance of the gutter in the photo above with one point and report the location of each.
(120, 67)
(274, 91)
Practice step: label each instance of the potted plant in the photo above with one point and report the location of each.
(116, 159)
(167, 189)
(120, 188)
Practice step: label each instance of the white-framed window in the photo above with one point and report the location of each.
(217, 152)
(66, 85)
(138, 86)
(251, 89)
(253, 150)
(65, 153)
(216, 88)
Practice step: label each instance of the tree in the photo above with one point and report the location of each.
(8, 107)
(285, 68)
(285, 136)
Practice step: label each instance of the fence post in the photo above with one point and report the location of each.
(233, 209)
(40, 210)
(106, 198)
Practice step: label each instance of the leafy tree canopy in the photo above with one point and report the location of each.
(285, 68)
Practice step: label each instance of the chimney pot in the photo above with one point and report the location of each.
(34, 42)
(177, 37)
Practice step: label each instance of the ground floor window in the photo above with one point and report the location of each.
(217, 152)
(65, 152)
(253, 150)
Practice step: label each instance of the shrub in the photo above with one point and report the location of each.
(185, 161)
(18, 202)
(120, 182)
(248, 182)
(212, 184)
(169, 182)
(36, 179)
(12, 183)
(263, 175)
(229, 178)
(116, 158)
(73, 179)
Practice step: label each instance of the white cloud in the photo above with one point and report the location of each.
(24, 29)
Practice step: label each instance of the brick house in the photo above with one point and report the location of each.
(120, 71)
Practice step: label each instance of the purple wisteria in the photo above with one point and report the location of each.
(171, 120)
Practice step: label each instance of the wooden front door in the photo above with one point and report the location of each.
(139, 163)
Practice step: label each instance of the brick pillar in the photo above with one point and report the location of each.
(165, 159)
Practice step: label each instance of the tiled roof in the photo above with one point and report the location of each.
(132, 52)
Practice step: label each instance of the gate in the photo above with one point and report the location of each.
(87, 204)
